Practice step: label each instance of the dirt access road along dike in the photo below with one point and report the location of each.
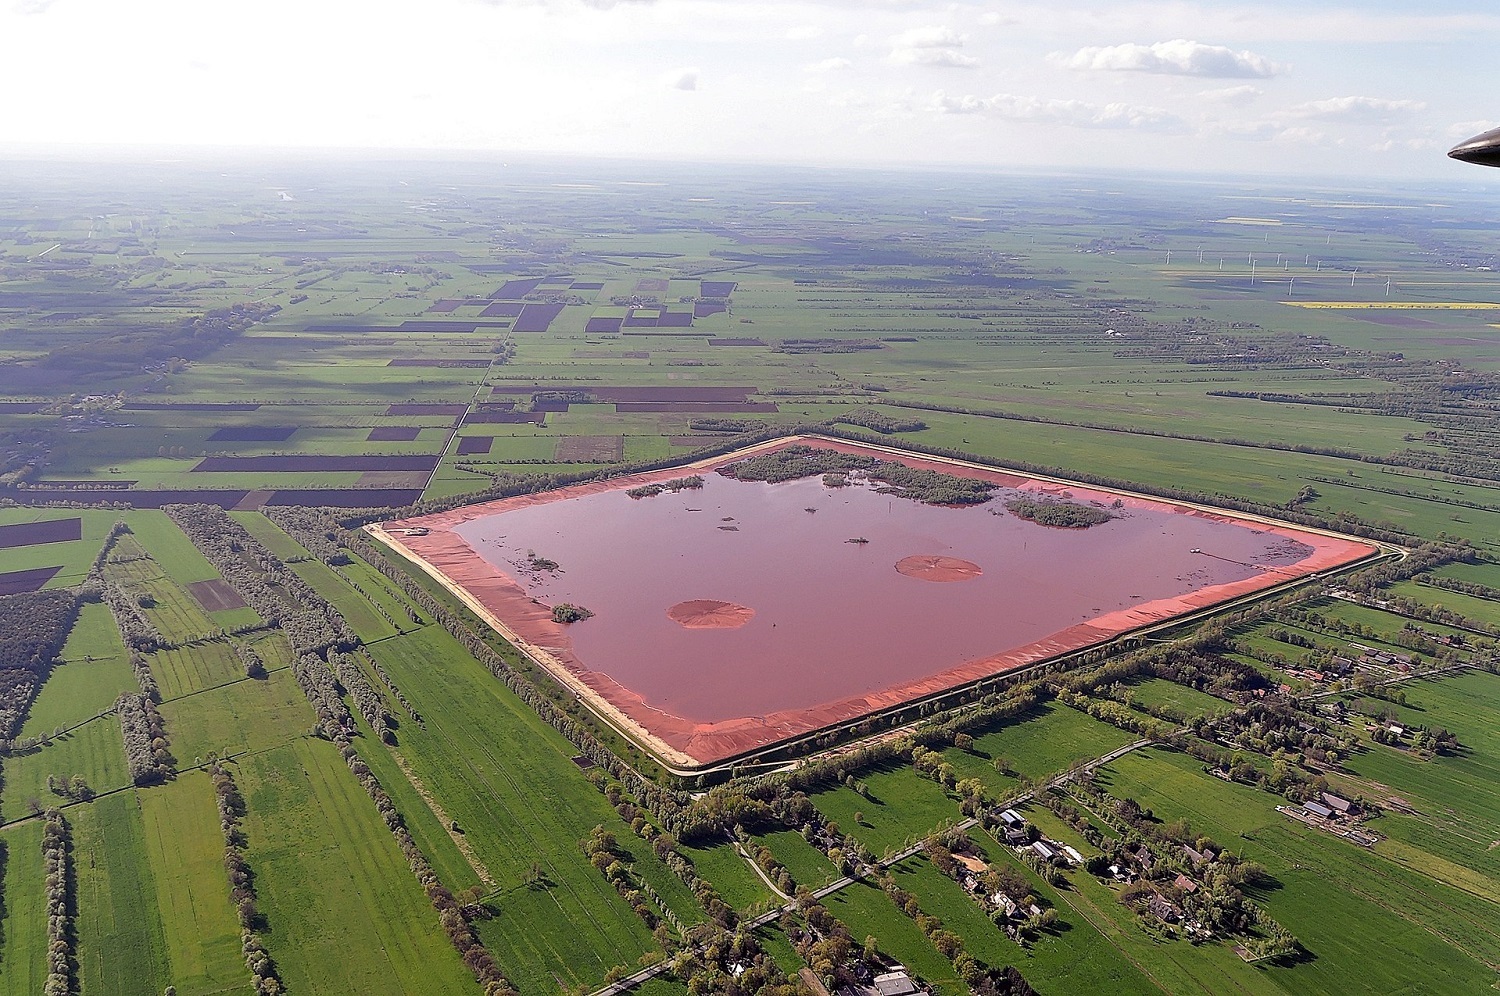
(704, 732)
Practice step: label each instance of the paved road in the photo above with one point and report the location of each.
(636, 978)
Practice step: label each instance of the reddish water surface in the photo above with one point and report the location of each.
(837, 630)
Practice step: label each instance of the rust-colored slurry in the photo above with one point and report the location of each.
(931, 567)
(835, 633)
(710, 613)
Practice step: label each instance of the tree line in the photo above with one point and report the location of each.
(146, 750)
(57, 861)
(263, 974)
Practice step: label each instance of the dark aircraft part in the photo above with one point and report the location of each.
(1483, 150)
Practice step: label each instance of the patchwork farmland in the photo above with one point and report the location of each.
(247, 745)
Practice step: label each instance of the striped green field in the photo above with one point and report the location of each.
(95, 671)
(185, 847)
(122, 946)
(344, 913)
(23, 921)
(95, 750)
(508, 780)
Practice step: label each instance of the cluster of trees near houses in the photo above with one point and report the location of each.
(1191, 871)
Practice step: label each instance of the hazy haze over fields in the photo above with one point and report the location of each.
(1374, 88)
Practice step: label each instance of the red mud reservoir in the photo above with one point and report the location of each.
(822, 603)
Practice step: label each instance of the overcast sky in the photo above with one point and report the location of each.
(1374, 88)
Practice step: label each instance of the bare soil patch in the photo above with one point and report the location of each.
(37, 533)
(933, 567)
(17, 582)
(215, 595)
(536, 317)
(710, 613)
(517, 288)
(393, 433)
(591, 449)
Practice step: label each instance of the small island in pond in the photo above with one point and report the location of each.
(929, 487)
(675, 484)
(566, 612)
(1054, 512)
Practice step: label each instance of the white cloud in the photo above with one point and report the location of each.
(1301, 136)
(931, 46)
(804, 32)
(1469, 129)
(1178, 57)
(833, 65)
(1357, 110)
(1233, 94)
(32, 6)
(681, 79)
(1072, 113)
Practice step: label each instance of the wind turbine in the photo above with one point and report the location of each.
(1353, 275)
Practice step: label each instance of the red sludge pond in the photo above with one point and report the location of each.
(738, 614)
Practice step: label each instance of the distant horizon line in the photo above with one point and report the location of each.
(84, 153)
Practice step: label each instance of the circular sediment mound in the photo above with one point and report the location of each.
(710, 613)
(929, 567)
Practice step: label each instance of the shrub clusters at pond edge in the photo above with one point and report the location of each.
(927, 486)
(567, 612)
(690, 483)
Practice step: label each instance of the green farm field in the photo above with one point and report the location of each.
(329, 877)
(94, 750)
(1040, 744)
(95, 670)
(1332, 894)
(508, 781)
